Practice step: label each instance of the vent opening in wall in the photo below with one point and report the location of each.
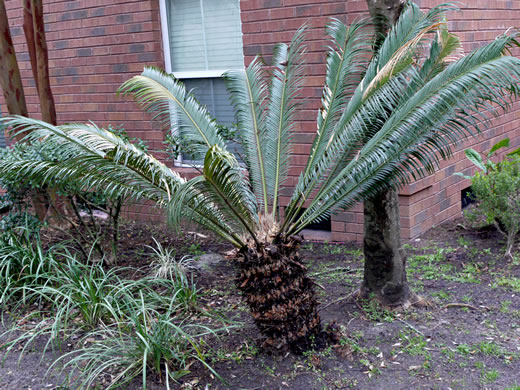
(466, 197)
(324, 225)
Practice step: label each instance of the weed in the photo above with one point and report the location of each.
(444, 295)
(463, 349)
(511, 283)
(195, 249)
(491, 375)
(504, 306)
(489, 349)
(375, 312)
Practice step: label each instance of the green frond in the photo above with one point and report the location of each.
(223, 188)
(346, 63)
(248, 90)
(372, 100)
(428, 124)
(286, 84)
(93, 158)
(176, 109)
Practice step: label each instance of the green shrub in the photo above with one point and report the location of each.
(496, 187)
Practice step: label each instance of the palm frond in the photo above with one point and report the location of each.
(166, 97)
(93, 158)
(430, 123)
(223, 188)
(286, 84)
(248, 90)
(346, 63)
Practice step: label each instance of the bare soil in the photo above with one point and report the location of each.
(464, 334)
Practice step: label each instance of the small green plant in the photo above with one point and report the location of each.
(463, 349)
(165, 265)
(511, 283)
(497, 189)
(375, 312)
(489, 348)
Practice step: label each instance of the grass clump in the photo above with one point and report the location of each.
(119, 328)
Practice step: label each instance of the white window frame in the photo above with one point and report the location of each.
(199, 74)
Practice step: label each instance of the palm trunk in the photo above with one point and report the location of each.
(281, 296)
(385, 262)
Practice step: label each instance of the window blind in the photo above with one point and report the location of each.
(204, 35)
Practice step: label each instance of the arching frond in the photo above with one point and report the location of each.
(223, 187)
(93, 158)
(429, 123)
(166, 97)
(372, 100)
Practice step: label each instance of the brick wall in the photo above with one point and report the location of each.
(95, 45)
(429, 201)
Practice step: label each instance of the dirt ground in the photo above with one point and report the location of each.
(466, 336)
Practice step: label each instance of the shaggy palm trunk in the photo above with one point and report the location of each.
(385, 272)
(280, 295)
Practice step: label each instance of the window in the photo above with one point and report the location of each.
(202, 40)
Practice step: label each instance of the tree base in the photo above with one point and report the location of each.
(281, 296)
(392, 302)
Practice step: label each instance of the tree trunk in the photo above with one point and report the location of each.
(281, 297)
(13, 91)
(385, 263)
(10, 79)
(385, 271)
(34, 29)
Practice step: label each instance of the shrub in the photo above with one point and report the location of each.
(80, 206)
(496, 186)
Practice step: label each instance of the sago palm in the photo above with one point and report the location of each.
(385, 117)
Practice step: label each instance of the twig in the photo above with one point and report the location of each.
(343, 269)
(349, 296)
(460, 305)
(333, 302)
(411, 326)
(319, 285)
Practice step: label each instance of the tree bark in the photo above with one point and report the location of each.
(12, 88)
(34, 29)
(281, 297)
(10, 79)
(385, 261)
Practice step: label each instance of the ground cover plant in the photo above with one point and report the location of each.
(382, 121)
(109, 328)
